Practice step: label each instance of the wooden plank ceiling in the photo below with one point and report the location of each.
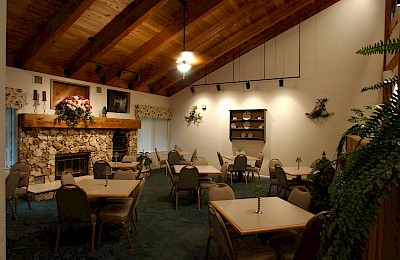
(143, 38)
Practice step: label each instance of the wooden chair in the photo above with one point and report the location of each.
(11, 185)
(272, 175)
(73, 206)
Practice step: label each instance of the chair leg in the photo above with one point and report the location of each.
(198, 198)
(269, 190)
(134, 227)
(93, 234)
(176, 199)
(99, 235)
(29, 201)
(127, 234)
(15, 205)
(12, 210)
(208, 247)
(58, 238)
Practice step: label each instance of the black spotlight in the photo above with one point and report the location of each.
(103, 80)
(248, 85)
(192, 89)
(137, 77)
(281, 83)
(119, 72)
(98, 68)
(151, 89)
(130, 85)
(67, 72)
(218, 87)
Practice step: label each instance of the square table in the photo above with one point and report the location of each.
(277, 215)
(297, 171)
(116, 188)
(203, 169)
(123, 165)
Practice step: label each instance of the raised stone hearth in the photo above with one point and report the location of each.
(38, 146)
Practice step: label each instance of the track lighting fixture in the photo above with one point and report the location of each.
(281, 83)
(67, 72)
(119, 72)
(130, 85)
(103, 80)
(218, 86)
(248, 85)
(98, 68)
(192, 89)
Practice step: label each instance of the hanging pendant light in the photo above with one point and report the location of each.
(186, 58)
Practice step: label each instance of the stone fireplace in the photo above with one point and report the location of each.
(76, 164)
(40, 143)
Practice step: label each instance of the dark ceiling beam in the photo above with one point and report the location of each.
(210, 34)
(236, 40)
(42, 41)
(194, 10)
(124, 23)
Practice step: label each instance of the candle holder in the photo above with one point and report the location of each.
(107, 172)
(44, 99)
(258, 192)
(35, 101)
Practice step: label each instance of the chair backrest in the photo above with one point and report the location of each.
(194, 155)
(200, 161)
(12, 183)
(138, 193)
(72, 204)
(271, 166)
(240, 163)
(67, 178)
(157, 154)
(218, 229)
(140, 169)
(224, 170)
(124, 174)
(221, 161)
(129, 158)
(221, 191)
(240, 151)
(24, 170)
(314, 164)
(173, 157)
(188, 178)
(300, 197)
(98, 169)
(281, 177)
(171, 177)
(310, 238)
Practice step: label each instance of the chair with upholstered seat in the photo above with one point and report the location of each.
(174, 179)
(272, 175)
(239, 248)
(220, 160)
(124, 174)
(67, 178)
(188, 182)
(11, 185)
(283, 182)
(300, 197)
(192, 158)
(256, 168)
(129, 158)
(239, 167)
(73, 206)
(98, 169)
(160, 162)
(22, 188)
(121, 213)
(173, 158)
(207, 185)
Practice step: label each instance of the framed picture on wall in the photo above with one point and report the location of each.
(117, 101)
(60, 90)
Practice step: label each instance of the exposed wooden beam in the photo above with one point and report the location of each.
(124, 23)
(249, 45)
(39, 43)
(195, 10)
(237, 39)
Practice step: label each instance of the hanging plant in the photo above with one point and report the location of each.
(193, 117)
(319, 109)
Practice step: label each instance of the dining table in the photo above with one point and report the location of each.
(277, 214)
(297, 171)
(203, 169)
(232, 157)
(115, 188)
(123, 165)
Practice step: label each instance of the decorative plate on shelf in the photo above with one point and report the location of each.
(243, 135)
(246, 125)
(233, 125)
(250, 135)
(261, 125)
(246, 115)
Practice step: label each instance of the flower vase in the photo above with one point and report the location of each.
(259, 206)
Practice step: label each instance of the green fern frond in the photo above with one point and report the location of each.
(387, 83)
(390, 47)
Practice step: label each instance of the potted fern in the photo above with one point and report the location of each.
(358, 189)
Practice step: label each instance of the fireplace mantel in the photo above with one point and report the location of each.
(50, 121)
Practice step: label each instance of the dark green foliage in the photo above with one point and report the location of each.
(391, 82)
(144, 156)
(390, 47)
(357, 190)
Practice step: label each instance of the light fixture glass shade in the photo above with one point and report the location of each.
(183, 66)
(186, 56)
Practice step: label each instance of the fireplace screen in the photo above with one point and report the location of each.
(77, 164)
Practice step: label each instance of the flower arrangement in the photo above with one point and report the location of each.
(73, 108)
(194, 117)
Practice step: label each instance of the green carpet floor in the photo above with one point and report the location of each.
(164, 233)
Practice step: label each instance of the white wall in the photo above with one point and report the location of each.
(23, 79)
(329, 69)
(3, 14)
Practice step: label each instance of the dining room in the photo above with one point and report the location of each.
(284, 77)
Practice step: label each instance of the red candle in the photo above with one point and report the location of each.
(43, 95)
(35, 95)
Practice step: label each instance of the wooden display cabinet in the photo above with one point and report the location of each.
(247, 124)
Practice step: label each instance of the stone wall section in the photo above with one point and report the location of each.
(39, 146)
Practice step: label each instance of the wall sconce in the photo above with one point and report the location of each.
(192, 89)
(204, 107)
(218, 86)
(248, 85)
(281, 83)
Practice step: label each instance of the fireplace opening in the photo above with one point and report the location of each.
(77, 164)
